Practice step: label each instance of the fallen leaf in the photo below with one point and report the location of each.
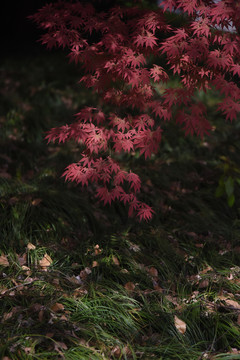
(234, 351)
(45, 262)
(50, 334)
(30, 246)
(80, 292)
(7, 316)
(173, 300)
(28, 350)
(22, 259)
(25, 268)
(4, 260)
(158, 288)
(129, 286)
(116, 351)
(153, 271)
(134, 247)
(57, 307)
(84, 274)
(207, 269)
(97, 250)
(180, 325)
(115, 260)
(36, 202)
(203, 284)
(233, 304)
(40, 315)
(127, 351)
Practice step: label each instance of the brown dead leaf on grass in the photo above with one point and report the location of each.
(36, 202)
(152, 271)
(97, 250)
(22, 259)
(30, 246)
(57, 307)
(180, 325)
(233, 304)
(129, 286)
(115, 260)
(45, 262)
(4, 260)
(203, 284)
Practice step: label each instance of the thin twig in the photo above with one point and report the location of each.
(17, 286)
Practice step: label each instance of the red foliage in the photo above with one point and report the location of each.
(114, 48)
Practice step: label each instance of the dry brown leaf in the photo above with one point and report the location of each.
(79, 292)
(233, 303)
(153, 271)
(84, 273)
(127, 350)
(45, 262)
(25, 268)
(129, 286)
(116, 351)
(36, 202)
(97, 250)
(203, 284)
(207, 269)
(158, 288)
(94, 264)
(28, 350)
(115, 260)
(4, 260)
(134, 247)
(172, 299)
(59, 346)
(57, 307)
(40, 315)
(22, 259)
(30, 246)
(180, 325)
(50, 334)
(75, 280)
(7, 316)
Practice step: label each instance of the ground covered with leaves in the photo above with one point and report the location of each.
(82, 281)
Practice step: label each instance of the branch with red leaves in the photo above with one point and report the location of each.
(114, 48)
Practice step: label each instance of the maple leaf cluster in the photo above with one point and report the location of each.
(114, 48)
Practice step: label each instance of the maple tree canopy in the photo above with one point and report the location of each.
(115, 48)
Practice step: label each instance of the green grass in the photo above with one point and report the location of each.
(111, 287)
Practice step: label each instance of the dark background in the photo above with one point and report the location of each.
(20, 35)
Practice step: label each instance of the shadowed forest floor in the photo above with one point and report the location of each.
(82, 281)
